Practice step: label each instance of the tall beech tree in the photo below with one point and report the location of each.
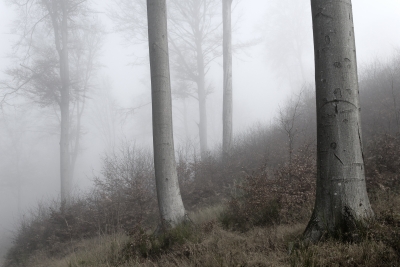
(342, 203)
(169, 197)
(227, 65)
(195, 41)
(50, 33)
(59, 20)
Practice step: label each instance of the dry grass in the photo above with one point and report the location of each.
(218, 247)
(333, 253)
(209, 244)
(100, 251)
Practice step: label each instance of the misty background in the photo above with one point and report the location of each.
(275, 64)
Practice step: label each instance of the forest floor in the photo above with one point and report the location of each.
(207, 242)
(242, 213)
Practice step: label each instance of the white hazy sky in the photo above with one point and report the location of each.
(257, 95)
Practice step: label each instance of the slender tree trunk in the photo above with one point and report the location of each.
(170, 202)
(290, 150)
(65, 172)
(185, 120)
(19, 182)
(77, 142)
(396, 113)
(342, 203)
(227, 97)
(201, 87)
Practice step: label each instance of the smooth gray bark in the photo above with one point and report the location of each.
(227, 65)
(342, 203)
(170, 202)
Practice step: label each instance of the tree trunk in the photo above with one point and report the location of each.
(201, 87)
(170, 202)
(65, 172)
(227, 97)
(342, 204)
(77, 142)
(185, 120)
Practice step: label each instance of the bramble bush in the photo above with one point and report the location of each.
(383, 161)
(123, 198)
(285, 197)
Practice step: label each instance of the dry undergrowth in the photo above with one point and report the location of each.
(209, 244)
(216, 247)
(261, 224)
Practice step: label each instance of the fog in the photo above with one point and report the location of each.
(275, 61)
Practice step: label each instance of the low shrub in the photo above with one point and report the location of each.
(125, 190)
(123, 198)
(144, 245)
(382, 162)
(285, 197)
